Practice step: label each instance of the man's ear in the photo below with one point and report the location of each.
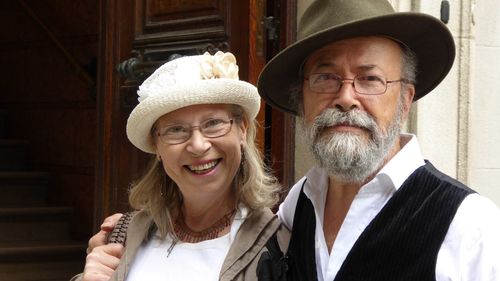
(407, 99)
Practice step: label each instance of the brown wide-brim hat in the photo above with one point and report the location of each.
(327, 21)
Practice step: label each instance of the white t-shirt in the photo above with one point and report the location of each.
(187, 261)
(470, 250)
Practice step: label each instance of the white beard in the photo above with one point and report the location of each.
(348, 156)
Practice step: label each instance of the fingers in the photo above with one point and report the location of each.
(101, 237)
(110, 222)
(102, 262)
(113, 250)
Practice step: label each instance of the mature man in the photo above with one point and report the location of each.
(372, 208)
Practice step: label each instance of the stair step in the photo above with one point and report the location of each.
(23, 188)
(13, 155)
(34, 238)
(54, 260)
(41, 250)
(3, 124)
(34, 223)
(47, 270)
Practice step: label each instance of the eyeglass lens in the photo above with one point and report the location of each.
(210, 128)
(363, 84)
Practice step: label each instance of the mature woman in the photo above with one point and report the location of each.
(204, 201)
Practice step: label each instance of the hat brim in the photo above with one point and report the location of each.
(214, 91)
(425, 35)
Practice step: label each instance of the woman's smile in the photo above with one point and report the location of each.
(203, 168)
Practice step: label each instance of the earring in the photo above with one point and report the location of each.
(242, 154)
(163, 181)
(242, 163)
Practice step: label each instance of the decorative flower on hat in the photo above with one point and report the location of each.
(175, 73)
(220, 65)
(164, 77)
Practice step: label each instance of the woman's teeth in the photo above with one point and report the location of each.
(203, 167)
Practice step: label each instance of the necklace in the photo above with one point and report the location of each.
(186, 234)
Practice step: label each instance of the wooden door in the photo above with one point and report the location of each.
(137, 37)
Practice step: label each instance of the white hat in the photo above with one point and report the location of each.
(190, 80)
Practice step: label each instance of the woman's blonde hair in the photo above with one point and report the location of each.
(255, 186)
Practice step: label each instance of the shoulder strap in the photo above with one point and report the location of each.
(272, 265)
(119, 233)
(273, 247)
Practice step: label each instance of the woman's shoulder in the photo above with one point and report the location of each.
(262, 239)
(260, 220)
(265, 228)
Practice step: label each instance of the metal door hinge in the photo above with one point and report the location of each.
(271, 24)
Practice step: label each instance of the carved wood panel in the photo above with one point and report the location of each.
(179, 20)
(185, 26)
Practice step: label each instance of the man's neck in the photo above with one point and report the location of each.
(340, 196)
(338, 201)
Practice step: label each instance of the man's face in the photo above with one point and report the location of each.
(351, 134)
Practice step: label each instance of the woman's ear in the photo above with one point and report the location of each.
(243, 125)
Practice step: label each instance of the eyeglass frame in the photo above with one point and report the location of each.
(342, 80)
(229, 121)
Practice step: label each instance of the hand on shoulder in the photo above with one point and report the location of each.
(101, 262)
(101, 237)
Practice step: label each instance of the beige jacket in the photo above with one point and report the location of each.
(243, 256)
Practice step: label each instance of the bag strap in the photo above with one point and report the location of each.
(273, 247)
(119, 233)
(273, 265)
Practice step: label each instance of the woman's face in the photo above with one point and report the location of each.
(202, 167)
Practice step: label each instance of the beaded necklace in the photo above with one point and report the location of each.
(186, 234)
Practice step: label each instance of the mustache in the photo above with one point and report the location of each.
(333, 117)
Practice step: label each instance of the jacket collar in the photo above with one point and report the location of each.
(138, 229)
(249, 241)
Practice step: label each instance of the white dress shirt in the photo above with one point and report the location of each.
(470, 250)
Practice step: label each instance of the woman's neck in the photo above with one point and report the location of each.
(200, 214)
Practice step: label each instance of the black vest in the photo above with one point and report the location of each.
(400, 243)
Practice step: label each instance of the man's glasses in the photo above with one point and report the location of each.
(329, 83)
(179, 133)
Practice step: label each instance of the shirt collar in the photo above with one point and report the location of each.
(405, 162)
(317, 184)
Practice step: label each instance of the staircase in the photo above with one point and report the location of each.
(34, 236)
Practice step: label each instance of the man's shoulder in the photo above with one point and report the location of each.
(286, 209)
(473, 237)
(432, 173)
(294, 191)
(478, 213)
